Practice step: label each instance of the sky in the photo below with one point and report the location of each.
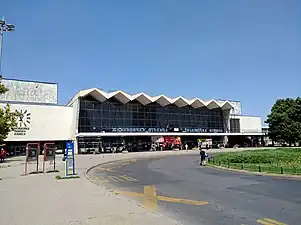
(246, 50)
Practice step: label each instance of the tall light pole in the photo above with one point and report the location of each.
(4, 28)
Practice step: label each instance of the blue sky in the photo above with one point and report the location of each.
(247, 50)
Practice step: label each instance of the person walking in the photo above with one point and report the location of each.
(186, 147)
(2, 155)
(202, 155)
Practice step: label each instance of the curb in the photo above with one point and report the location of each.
(110, 189)
(5, 166)
(256, 173)
(117, 160)
(100, 164)
(137, 157)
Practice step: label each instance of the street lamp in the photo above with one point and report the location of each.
(4, 27)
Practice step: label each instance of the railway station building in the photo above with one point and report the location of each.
(99, 121)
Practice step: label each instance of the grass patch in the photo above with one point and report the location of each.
(67, 177)
(281, 160)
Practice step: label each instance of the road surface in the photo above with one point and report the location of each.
(179, 188)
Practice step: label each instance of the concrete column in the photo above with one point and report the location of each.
(75, 146)
(226, 114)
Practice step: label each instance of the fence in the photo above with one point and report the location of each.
(266, 168)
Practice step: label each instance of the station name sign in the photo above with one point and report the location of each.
(140, 130)
(165, 130)
(23, 122)
(19, 131)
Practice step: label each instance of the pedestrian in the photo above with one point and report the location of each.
(2, 155)
(186, 147)
(205, 159)
(202, 155)
(65, 155)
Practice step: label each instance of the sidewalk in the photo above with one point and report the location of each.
(41, 199)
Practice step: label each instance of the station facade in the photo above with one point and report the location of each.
(99, 121)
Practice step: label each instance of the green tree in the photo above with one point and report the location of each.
(7, 118)
(285, 120)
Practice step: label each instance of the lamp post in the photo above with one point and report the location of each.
(4, 27)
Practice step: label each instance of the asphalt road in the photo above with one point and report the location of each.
(217, 196)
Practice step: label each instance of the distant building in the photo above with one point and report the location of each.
(266, 138)
(30, 91)
(97, 120)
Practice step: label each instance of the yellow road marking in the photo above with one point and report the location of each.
(274, 221)
(125, 163)
(264, 222)
(107, 169)
(150, 198)
(115, 165)
(129, 193)
(115, 178)
(267, 221)
(121, 178)
(181, 200)
(119, 163)
(128, 178)
(102, 179)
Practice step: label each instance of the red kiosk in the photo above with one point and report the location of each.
(49, 156)
(32, 158)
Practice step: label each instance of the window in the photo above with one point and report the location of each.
(95, 116)
(234, 126)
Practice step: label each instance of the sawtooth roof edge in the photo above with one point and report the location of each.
(163, 100)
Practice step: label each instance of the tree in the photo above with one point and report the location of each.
(285, 120)
(7, 118)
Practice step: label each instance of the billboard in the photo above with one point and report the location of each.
(30, 91)
(41, 122)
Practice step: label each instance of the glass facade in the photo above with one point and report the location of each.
(114, 116)
(234, 126)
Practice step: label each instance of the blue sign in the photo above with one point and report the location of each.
(70, 145)
(69, 162)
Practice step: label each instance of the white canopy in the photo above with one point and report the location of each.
(145, 99)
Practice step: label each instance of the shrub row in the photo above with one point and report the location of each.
(289, 157)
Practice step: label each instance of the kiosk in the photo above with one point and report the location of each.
(32, 158)
(49, 156)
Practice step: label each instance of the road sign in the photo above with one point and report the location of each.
(69, 144)
(69, 162)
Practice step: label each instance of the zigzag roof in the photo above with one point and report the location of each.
(145, 99)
